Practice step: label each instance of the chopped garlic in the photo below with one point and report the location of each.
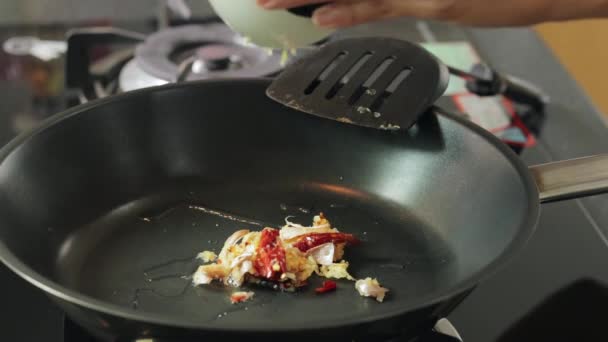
(336, 271)
(320, 220)
(247, 255)
(323, 254)
(288, 275)
(207, 256)
(201, 278)
(232, 239)
(247, 266)
(369, 287)
(207, 273)
(292, 230)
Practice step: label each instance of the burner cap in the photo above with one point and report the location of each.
(217, 50)
(212, 58)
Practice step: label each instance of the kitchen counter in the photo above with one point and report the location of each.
(570, 245)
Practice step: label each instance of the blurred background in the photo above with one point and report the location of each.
(580, 46)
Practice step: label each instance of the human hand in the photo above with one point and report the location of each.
(341, 13)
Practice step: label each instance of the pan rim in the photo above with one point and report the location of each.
(525, 231)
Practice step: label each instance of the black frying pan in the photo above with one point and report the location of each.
(94, 210)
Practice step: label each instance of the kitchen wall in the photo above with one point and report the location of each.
(582, 47)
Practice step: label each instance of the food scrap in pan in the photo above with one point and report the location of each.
(240, 297)
(284, 259)
(207, 256)
(328, 285)
(369, 287)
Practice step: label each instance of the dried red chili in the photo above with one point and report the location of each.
(270, 262)
(327, 286)
(313, 240)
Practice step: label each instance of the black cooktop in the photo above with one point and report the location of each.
(546, 293)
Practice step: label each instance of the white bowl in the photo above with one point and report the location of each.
(277, 29)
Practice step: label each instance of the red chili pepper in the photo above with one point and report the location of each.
(327, 286)
(270, 253)
(313, 240)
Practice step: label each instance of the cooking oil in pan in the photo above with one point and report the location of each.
(142, 255)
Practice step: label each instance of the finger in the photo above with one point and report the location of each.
(356, 12)
(351, 13)
(276, 4)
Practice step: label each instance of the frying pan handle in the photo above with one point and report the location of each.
(572, 178)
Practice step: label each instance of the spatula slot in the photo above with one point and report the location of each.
(325, 72)
(390, 89)
(356, 95)
(347, 77)
(378, 72)
(403, 75)
(365, 87)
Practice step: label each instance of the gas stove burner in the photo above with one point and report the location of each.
(216, 58)
(214, 50)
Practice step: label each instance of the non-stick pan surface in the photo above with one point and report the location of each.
(96, 207)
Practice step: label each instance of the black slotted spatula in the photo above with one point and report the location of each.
(381, 83)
